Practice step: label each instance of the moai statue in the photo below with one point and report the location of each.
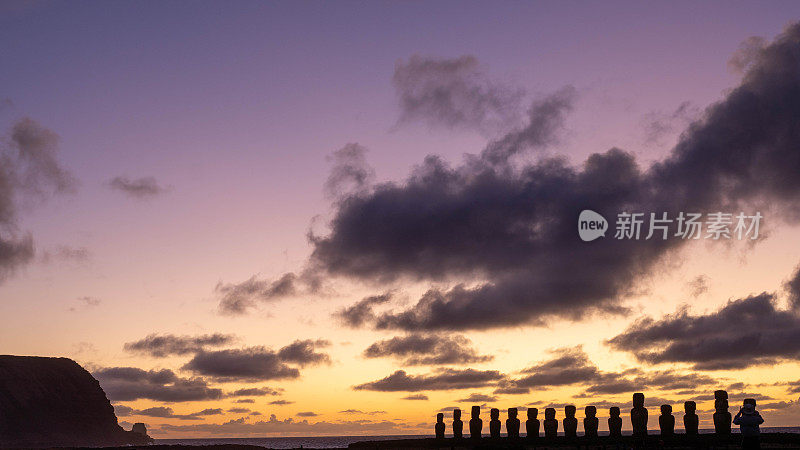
(439, 426)
(532, 424)
(590, 422)
(639, 415)
(512, 424)
(614, 422)
(691, 422)
(550, 423)
(475, 423)
(458, 425)
(570, 422)
(666, 421)
(494, 423)
(722, 418)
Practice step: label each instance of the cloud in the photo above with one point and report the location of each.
(350, 173)
(166, 412)
(245, 400)
(747, 54)
(280, 402)
(792, 387)
(416, 397)
(417, 349)
(793, 288)
(361, 312)
(307, 414)
(78, 255)
(29, 173)
(258, 363)
(273, 425)
(478, 398)
(568, 366)
(571, 366)
(239, 298)
(239, 410)
(499, 239)
(358, 411)
(439, 379)
(130, 383)
(161, 346)
(140, 188)
(453, 93)
(303, 352)
(84, 303)
(255, 392)
(658, 124)
(698, 286)
(122, 410)
(545, 117)
(744, 332)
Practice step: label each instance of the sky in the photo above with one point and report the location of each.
(326, 218)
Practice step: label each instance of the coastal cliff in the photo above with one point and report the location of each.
(55, 402)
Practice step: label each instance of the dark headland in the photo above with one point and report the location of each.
(54, 402)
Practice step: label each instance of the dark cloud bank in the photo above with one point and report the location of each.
(161, 346)
(416, 349)
(249, 364)
(258, 363)
(568, 366)
(745, 332)
(129, 383)
(512, 223)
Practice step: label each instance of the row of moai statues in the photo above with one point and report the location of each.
(639, 418)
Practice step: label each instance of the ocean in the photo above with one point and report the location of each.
(344, 441)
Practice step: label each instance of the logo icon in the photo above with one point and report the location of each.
(591, 225)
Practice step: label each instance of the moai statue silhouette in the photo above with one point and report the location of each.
(570, 422)
(494, 423)
(458, 425)
(550, 423)
(590, 422)
(614, 422)
(532, 424)
(691, 422)
(439, 426)
(722, 418)
(512, 424)
(475, 423)
(639, 415)
(666, 421)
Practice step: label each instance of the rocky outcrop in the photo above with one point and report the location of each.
(56, 402)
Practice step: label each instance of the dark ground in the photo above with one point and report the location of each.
(704, 441)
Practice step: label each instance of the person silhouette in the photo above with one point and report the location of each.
(494, 423)
(691, 422)
(439, 426)
(590, 422)
(614, 422)
(749, 420)
(550, 423)
(639, 415)
(532, 424)
(475, 423)
(570, 422)
(722, 418)
(458, 425)
(666, 422)
(512, 424)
